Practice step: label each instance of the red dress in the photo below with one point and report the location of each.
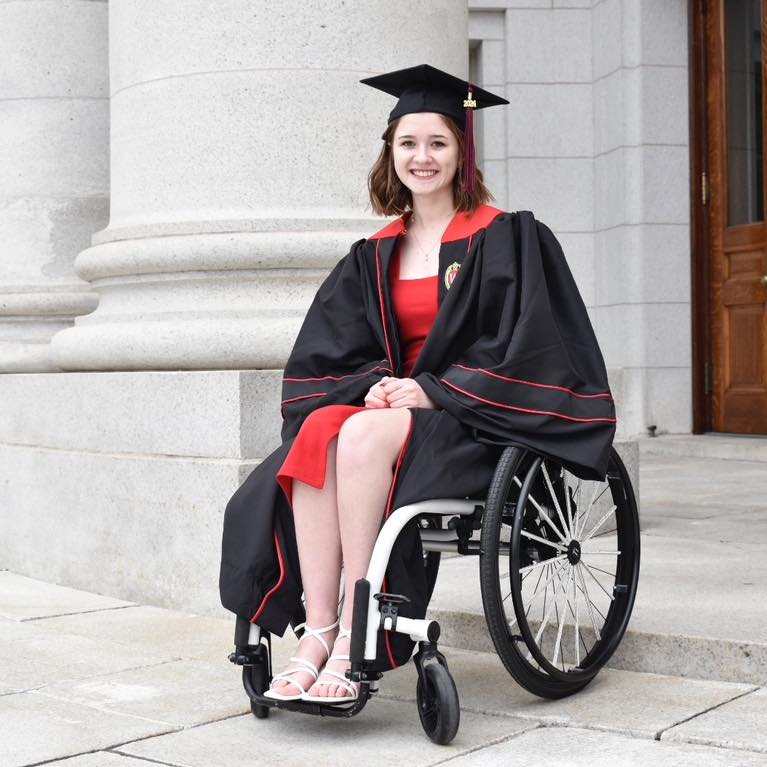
(415, 307)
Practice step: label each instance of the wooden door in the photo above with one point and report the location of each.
(732, 192)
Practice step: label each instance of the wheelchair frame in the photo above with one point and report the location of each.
(532, 546)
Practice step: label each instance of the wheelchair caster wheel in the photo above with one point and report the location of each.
(258, 682)
(438, 706)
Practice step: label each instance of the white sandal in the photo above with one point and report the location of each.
(342, 680)
(309, 667)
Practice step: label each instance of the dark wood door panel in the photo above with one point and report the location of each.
(734, 215)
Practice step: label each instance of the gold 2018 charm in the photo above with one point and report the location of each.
(451, 273)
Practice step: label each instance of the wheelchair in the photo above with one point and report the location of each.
(558, 571)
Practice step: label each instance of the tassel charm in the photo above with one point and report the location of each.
(469, 159)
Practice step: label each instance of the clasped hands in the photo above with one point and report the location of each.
(397, 392)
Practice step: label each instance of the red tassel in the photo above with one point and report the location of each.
(469, 159)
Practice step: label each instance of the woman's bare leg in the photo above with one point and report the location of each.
(369, 444)
(319, 552)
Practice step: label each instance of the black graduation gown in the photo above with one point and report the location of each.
(511, 359)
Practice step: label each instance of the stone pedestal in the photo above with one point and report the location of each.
(117, 482)
(54, 129)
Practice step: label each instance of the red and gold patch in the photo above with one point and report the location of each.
(451, 273)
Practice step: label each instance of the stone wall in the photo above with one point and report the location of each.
(595, 142)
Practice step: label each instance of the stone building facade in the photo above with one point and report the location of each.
(179, 176)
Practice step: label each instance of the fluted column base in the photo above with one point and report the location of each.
(29, 319)
(202, 299)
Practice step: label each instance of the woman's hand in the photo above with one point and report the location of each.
(405, 392)
(376, 397)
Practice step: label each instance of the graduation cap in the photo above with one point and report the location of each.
(427, 89)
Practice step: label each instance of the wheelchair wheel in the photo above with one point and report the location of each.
(558, 570)
(259, 681)
(438, 706)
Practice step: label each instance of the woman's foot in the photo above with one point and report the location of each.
(304, 666)
(330, 686)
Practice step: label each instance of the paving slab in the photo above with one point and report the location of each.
(642, 705)
(671, 480)
(26, 664)
(182, 693)
(170, 633)
(384, 733)
(37, 728)
(690, 523)
(24, 598)
(11, 630)
(102, 759)
(569, 747)
(725, 447)
(742, 724)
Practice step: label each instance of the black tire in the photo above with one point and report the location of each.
(258, 679)
(535, 523)
(438, 706)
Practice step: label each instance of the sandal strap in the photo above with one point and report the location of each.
(338, 657)
(291, 681)
(286, 676)
(312, 632)
(309, 665)
(342, 680)
(310, 668)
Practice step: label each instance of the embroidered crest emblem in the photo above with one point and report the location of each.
(451, 273)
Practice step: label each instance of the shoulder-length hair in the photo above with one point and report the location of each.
(390, 197)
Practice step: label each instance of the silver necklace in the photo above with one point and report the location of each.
(427, 253)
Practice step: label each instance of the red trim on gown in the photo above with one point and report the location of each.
(415, 307)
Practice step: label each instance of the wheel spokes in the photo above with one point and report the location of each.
(554, 497)
(562, 624)
(596, 580)
(544, 516)
(553, 544)
(599, 524)
(543, 562)
(594, 499)
(589, 605)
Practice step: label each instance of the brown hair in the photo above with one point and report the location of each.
(390, 197)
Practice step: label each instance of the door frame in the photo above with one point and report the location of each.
(698, 20)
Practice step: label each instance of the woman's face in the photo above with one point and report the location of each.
(425, 153)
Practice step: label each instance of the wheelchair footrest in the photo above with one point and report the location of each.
(248, 656)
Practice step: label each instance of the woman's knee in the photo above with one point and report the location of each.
(373, 435)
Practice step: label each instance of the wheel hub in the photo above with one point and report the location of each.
(574, 552)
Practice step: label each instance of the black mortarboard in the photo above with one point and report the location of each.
(427, 89)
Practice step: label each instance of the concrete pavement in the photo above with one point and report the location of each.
(91, 681)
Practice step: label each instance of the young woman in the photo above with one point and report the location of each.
(451, 332)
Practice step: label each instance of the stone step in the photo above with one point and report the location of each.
(726, 447)
(671, 654)
(698, 611)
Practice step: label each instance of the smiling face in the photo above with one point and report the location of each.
(425, 153)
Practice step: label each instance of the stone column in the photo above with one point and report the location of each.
(241, 142)
(54, 128)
